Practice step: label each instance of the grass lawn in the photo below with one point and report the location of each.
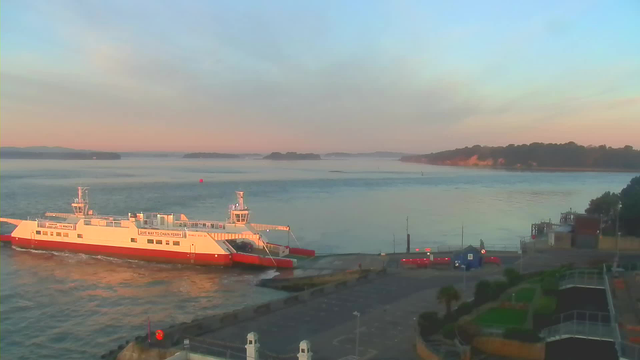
(502, 317)
(525, 295)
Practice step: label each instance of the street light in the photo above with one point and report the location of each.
(357, 314)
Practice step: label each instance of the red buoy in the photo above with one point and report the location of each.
(159, 334)
(201, 181)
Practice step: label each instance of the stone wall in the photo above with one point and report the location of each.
(510, 348)
(423, 350)
(626, 243)
(135, 351)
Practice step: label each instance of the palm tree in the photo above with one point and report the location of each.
(447, 295)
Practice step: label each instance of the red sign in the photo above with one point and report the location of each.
(159, 334)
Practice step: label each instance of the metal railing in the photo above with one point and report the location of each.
(584, 316)
(502, 247)
(630, 266)
(628, 351)
(612, 311)
(202, 349)
(582, 277)
(585, 329)
(227, 351)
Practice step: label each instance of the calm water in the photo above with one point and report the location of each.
(78, 307)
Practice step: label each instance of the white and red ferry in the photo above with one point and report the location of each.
(156, 237)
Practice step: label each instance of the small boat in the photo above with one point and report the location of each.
(157, 237)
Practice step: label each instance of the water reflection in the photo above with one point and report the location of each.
(107, 277)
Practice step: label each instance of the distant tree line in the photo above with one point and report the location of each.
(623, 207)
(569, 155)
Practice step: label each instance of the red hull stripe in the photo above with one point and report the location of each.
(298, 251)
(302, 252)
(262, 261)
(165, 256)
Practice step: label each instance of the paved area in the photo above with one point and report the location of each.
(388, 309)
(387, 306)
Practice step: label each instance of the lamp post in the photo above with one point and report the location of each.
(464, 281)
(617, 232)
(357, 314)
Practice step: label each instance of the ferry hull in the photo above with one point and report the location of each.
(162, 256)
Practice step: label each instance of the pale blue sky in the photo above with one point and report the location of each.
(415, 76)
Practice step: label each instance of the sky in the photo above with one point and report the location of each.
(318, 75)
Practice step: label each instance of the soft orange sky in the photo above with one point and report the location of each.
(318, 76)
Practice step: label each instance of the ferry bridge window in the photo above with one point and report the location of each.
(58, 234)
(45, 233)
(161, 221)
(167, 242)
(38, 232)
(65, 235)
(87, 222)
(149, 241)
(134, 240)
(80, 236)
(159, 242)
(176, 243)
(146, 222)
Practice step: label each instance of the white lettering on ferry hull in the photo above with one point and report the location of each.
(60, 226)
(173, 234)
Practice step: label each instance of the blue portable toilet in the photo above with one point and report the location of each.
(471, 257)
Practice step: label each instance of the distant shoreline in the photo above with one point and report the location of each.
(530, 169)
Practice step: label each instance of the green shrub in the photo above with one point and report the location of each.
(499, 287)
(546, 305)
(449, 318)
(521, 334)
(513, 276)
(549, 285)
(465, 308)
(483, 292)
(449, 331)
(429, 323)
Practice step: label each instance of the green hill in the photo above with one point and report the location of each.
(570, 156)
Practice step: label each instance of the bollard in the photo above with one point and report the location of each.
(305, 351)
(252, 346)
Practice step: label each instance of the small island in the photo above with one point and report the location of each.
(202, 155)
(374, 155)
(292, 156)
(537, 156)
(34, 155)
